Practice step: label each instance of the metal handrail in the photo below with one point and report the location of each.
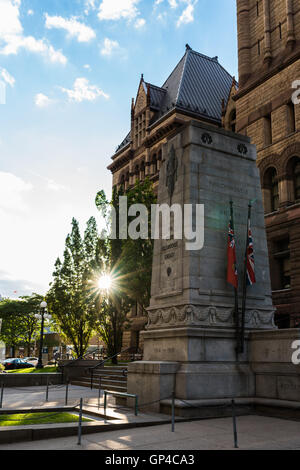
(91, 369)
(108, 359)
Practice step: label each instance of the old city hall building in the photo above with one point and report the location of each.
(260, 106)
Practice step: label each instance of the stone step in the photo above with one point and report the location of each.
(108, 387)
(116, 380)
(111, 376)
(104, 374)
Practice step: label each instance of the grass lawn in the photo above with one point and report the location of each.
(38, 418)
(45, 370)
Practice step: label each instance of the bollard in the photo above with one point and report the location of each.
(173, 412)
(234, 426)
(47, 390)
(1, 395)
(80, 423)
(67, 393)
(99, 393)
(92, 378)
(105, 399)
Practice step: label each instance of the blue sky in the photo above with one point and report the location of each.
(70, 69)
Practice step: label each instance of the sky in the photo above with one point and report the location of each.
(68, 72)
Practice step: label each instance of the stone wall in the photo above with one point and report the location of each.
(276, 377)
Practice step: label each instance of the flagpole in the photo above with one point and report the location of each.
(242, 345)
(236, 298)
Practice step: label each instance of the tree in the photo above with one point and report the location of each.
(20, 326)
(129, 262)
(69, 299)
(137, 255)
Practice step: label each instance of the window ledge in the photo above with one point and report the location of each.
(272, 213)
(281, 291)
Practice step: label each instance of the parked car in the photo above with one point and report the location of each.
(12, 364)
(32, 360)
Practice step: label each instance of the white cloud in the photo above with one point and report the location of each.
(42, 101)
(89, 5)
(53, 186)
(74, 28)
(187, 15)
(87, 67)
(117, 9)
(173, 3)
(140, 23)
(9, 79)
(12, 190)
(12, 37)
(30, 12)
(83, 91)
(109, 46)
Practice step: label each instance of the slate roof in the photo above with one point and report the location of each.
(125, 142)
(198, 84)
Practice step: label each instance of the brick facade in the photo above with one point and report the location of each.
(269, 62)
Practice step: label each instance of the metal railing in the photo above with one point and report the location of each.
(102, 363)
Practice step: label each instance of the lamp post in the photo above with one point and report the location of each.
(42, 316)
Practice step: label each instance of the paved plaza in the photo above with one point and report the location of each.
(255, 433)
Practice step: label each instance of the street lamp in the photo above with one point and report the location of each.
(42, 316)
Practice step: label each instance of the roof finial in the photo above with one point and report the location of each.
(188, 47)
(142, 77)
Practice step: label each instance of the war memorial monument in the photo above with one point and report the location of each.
(195, 345)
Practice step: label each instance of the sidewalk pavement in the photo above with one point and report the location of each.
(34, 397)
(255, 433)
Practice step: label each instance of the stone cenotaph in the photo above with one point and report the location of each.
(190, 340)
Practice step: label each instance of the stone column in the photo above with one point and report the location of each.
(290, 42)
(244, 41)
(267, 50)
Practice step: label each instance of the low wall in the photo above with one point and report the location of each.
(30, 380)
(276, 377)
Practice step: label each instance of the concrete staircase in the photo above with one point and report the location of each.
(113, 379)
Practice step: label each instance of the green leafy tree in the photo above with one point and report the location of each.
(20, 326)
(69, 299)
(137, 255)
(130, 264)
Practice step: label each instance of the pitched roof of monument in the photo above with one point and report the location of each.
(197, 85)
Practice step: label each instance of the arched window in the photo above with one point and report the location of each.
(271, 190)
(154, 164)
(142, 171)
(297, 180)
(122, 182)
(293, 172)
(232, 121)
(291, 118)
(127, 181)
(137, 172)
